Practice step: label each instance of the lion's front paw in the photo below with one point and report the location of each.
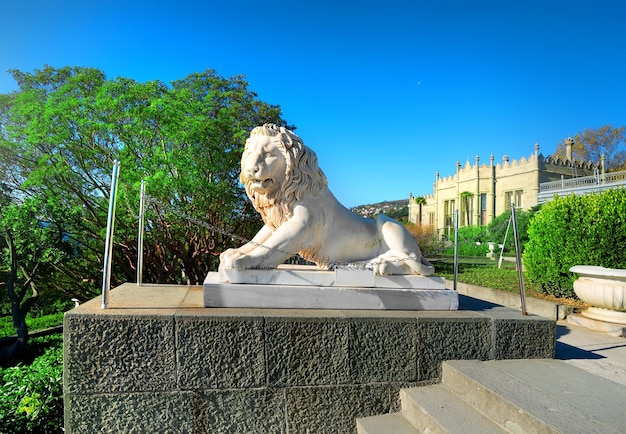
(380, 268)
(244, 262)
(229, 257)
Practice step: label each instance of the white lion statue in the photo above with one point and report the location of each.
(301, 215)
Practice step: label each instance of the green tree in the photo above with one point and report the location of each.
(64, 128)
(420, 201)
(29, 249)
(591, 144)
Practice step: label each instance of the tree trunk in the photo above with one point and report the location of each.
(19, 310)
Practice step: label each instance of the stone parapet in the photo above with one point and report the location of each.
(157, 361)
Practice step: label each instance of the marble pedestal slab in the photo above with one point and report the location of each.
(306, 287)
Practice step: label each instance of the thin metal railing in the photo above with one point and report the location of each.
(518, 259)
(456, 248)
(142, 207)
(108, 244)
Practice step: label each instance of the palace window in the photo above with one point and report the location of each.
(483, 209)
(448, 214)
(467, 210)
(513, 197)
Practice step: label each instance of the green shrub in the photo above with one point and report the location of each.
(575, 230)
(425, 237)
(497, 229)
(49, 302)
(31, 396)
(472, 241)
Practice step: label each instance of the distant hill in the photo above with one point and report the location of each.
(397, 209)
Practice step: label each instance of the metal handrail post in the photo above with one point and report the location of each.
(142, 202)
(518, 258)
(108, 244)
(506, 234)
(456, 247)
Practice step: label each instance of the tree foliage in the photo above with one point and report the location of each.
(63, 129)
(591, 144)
(30, 248)
(420, 201)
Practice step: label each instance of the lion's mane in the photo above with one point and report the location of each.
(303, 177)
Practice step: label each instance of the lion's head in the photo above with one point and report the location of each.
(278, 170)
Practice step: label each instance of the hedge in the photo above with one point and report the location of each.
(575, 230)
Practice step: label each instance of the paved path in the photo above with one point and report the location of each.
(595, 352)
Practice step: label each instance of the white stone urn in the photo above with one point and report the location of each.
(604, 289)
(491, 254)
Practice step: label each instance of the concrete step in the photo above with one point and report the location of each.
(515, 396)
(394, 423)
(437, 409)
(430, 409)
(541, 395)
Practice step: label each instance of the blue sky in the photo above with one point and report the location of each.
(386, 92)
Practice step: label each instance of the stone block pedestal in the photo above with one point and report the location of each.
(157, 361)
(308, 287)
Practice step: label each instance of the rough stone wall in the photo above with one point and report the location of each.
(184, 369)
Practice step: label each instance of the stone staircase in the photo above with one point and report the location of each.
(514, 396)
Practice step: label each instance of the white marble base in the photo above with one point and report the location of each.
(310, 288)
(606, 315)
(610, 328)
(307, 275)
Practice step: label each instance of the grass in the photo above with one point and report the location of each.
(485, 272)
(38, 323)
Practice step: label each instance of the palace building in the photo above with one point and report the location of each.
(483, 191)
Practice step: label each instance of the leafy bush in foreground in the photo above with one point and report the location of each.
(575, 230)
(31, 396)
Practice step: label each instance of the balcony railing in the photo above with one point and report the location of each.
(608, 179)
(580, 186)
